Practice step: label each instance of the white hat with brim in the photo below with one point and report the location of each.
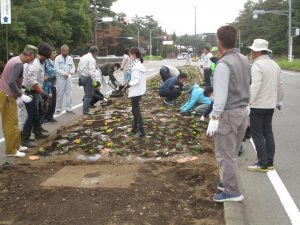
(260, 45)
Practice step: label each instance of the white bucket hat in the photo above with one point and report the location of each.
(260, 45)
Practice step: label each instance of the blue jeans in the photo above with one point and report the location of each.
(33, 121)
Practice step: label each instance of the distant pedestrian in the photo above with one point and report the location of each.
(87, 71)
(137, 88)
(230, 113)
(49, 87)
(207, 66)
(65, 68)
(125, 62)
(10, 90)
(172, 88)
(266, 95)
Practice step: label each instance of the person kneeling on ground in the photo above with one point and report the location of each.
(108, 69)
(98, 96)
(167, 72)
(172, 88)
(199, 99)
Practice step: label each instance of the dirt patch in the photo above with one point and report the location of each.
(136, 181)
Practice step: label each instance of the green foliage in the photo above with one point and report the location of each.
(152, 58)
(285, 64)
(271, 27)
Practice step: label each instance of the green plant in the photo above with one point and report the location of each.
(42, 151)
(119, 152)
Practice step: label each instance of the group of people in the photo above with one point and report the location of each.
(40, 80)
(237, 94)
(34, 84)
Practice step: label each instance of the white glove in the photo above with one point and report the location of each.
(279, 105)
(202, 118)
(248, 109)
(26, 98)
(212, 127)
(20, 103)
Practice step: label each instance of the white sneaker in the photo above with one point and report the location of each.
(18, 154)
(23, 148)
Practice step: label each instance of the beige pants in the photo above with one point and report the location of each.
(228, 141)
(9, 114)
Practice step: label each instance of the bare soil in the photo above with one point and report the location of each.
(135, 181)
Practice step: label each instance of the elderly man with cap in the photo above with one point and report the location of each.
(230, 114)
(65, 68)
(266, 94)
(10, 89)
(199, 99)
(87, 71)
(33, 83)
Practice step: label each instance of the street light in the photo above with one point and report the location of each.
(287, 13)
(94, 6)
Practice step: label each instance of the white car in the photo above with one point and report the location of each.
(181, 56)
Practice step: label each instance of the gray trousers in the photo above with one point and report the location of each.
(201, 109)
(87, 84)
(232, 128)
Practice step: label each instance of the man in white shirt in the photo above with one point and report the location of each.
(65, 68)
(266, 94)
(87, 71)
(207, 66)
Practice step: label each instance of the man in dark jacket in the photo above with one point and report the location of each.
(108, 69)
(171, 88)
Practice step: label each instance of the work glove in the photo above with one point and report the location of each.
(202, 118)
(26, 98)
(45, 96)
(212, 128)
(20, 103)
(279, 105)
(248, 109)
(94, 83)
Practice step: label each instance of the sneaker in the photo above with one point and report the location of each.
(28, 143)
(220, 186)
(52, 120)
(41, 136)
(58, 112)
(17, 154)
(70, 111)
(92, 106)
(23, 148)
(140, 134)
(170, 103)
(44, 130)
(270, 166)
(257, 168)
(88, 113)
(223, 197)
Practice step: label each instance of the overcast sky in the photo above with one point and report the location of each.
(179, 15)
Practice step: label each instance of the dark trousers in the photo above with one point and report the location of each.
(170, 95)
(51, 105)
(33, 122)
(87, 84)
(138, 124)
(96, 97)
(262, 134)
(207, 76)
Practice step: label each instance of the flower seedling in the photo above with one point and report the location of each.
(42, 151)
(109, 144)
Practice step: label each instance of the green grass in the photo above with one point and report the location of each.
(286, 65)
(153, 58)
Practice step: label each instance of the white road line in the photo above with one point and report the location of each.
(75, 107)
(289, 73)
(285, 198)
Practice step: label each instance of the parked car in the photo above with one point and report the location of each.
(181, 56)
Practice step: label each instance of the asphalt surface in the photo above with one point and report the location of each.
(262, 204)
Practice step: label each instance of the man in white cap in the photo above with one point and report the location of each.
(266, 94)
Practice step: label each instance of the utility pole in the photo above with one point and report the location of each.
(290, 49)
(150, 44)
(240, 40)
(95, 22)
(138, 37)
(194, 49)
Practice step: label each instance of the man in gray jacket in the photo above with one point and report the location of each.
(266, 95)
(230, 113)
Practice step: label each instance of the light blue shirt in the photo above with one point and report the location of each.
(64, 66)
(221, 84)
